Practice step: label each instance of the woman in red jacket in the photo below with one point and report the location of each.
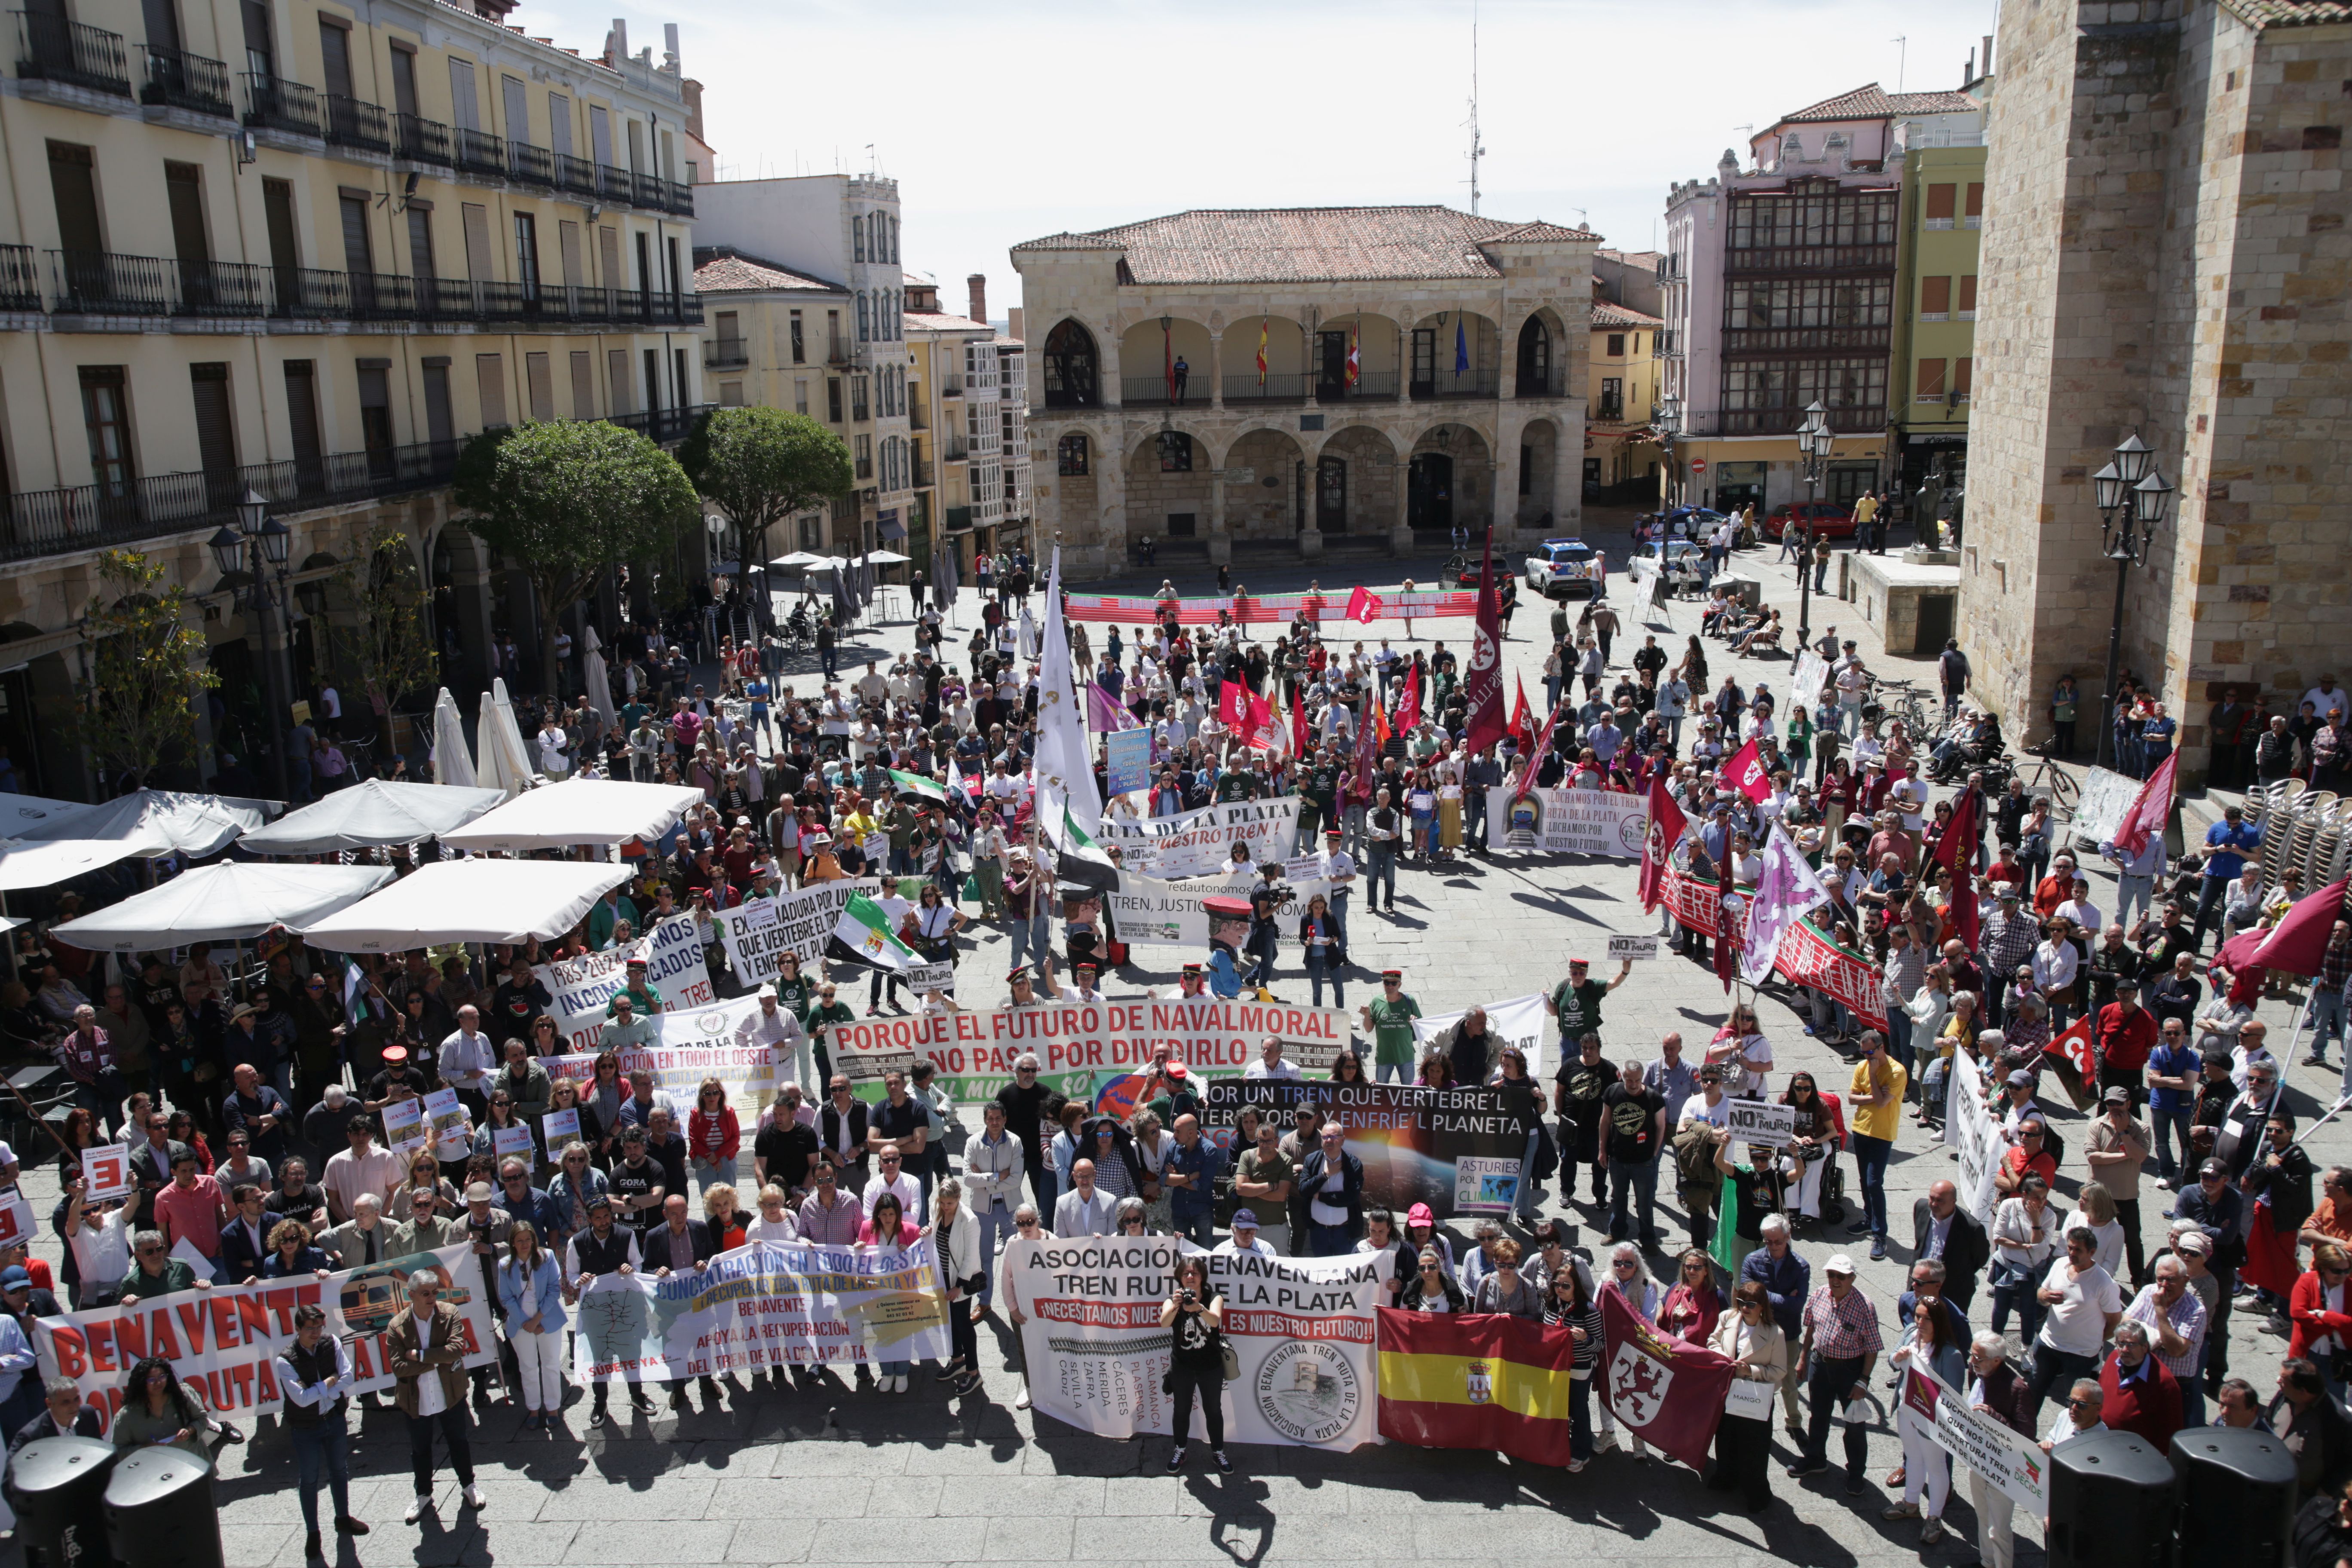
(712, 1137)
(2320, 1307)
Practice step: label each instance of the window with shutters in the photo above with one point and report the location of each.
(525, 228)
(420, 242)
(404, 80)
(730, 395)
(335, 57)
(584, 384)
(1972, 216)
(832, 400)
(260, 42)
(440, 419)
(375, 410)
(600, 144)
(1968, 301)
(800, 349)
(654, 403)
(1961, 376)
(1931, 382)
(162, 20)
(517, 107)
(567, 242)
(800, 398)
(1941, 204)
(491, 386)
(465, 109)
(559, 123)
(1935, 298)
(183, 192)
(538, 380)
(681, 382)
(475, 219)
(73, 187)
(858, 406)
(215, 430)
(608, 252)
(106, 416)
(359, 254)
(302, 417)
(617, 380)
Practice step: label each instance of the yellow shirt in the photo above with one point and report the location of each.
(1865, 509)
(1881, 1122)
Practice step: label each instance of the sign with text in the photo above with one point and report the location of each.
(1569, 822)
(1760, 1121)
(1148, 912)
(757, 935)
(1130, 757)
(1199, 843)
(1974, 1135)
(105, 1174)
(403, 1125)
(1805, 956)
(1625, 949)
(1517, 1022)
(695, 1045)
(2011, 1461)
(582, 987)
(1456, 1150)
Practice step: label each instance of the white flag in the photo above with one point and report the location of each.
(1786, 893)
(1065, 768)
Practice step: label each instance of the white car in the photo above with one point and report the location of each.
(1562, 566)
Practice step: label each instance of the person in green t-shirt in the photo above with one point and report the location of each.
(823, 1014)
(642, 996)
(795, 993)
(1576, 1001)
(1389, 1017)
(1262, 1183)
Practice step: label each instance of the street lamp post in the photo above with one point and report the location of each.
(258, 545)
(1813, 442)
(2133, 499)
(1670, 421)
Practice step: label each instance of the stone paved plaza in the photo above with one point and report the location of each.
(847, 1475)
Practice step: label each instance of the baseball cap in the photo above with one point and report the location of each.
(2021, 1079)
(14, 1278)
(1839, 1263)
(2115, 1095)
(2212, 1167)
(1177, 1072)
(1420, 1214)
(1242, 1217)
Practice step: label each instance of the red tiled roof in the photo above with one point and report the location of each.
(1872, 101)
(1296, 244)
(2261, 14)
(726, 271)
(1605, 314)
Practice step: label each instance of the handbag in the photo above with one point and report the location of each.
(1233, 1362)
(1749, 1398)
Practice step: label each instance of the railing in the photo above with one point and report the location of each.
(955, 449)
(187, 81)
(273, 103)
(613, 184)
(96, 282)
(1804, 339)
(533, 165)
(51, 48)
(223, 289)
(1853, 421)
(681, 200)
(20, 278)
(837, 353)
(479, 151)
(1448, 384)
(727, 353)
(923, 472)
(1772, 260)
(959, 518)
(351, 123)
(421, 141)
(1377, 385)
(1552, 385)
(578, 174)
(1153, 392)
(952, 386)
(1609, 410)
(647, 191)
(1286, 387)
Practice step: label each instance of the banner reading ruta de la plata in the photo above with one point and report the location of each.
(583, 986)
(1149, 912)
(1567, 822)
(1197, 843)
(225, 1339)
(768, 1304)
(759, 933)
(1301, 1329)
(2007, 1459)
(1457, 1149)
(1806, 956)
(1076, 1041)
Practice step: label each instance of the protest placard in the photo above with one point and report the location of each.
(515, 1140)
(2106, 796)
(452, 1133)
(558, 1128)
(1457, 1149)
(1764, 1121)
(18, 1225)
(1130, 756)
(1198, 843)
(105, 1174)
(583, 987)
(1973, 1134)
(2011, 1461)
(757, 935)
(1569, 822)
(1636, 948)
(403, 1125)
(1516, 1022)
(1149, 912)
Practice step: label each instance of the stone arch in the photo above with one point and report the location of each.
(1357, 483)
(1290, 368)
(1273, 502)
(1533, 472)
(1449, 476)
(1539, 354)
(1167, 501)
(1379, 345)
(1145, 351)
(1439, 341)
(1071, 366)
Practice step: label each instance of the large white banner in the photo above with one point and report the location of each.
(225, 1339)
(1149, 912)
(1974, 1135)
(768, 1304)
(1567, 822)
(695, 1045)
(583, 986)
(2011, 1461)
(2106, 796)
(1198, 843)
(759, 933)
(1302, 1329)
(1518, 1022)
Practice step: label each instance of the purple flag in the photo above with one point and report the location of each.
(1786, 893)
(1104, 715)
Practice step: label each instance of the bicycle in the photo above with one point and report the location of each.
(2064, 792)
(1902, 699)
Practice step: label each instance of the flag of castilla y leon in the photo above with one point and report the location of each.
(1478, 1381)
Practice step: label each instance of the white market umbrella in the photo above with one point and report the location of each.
(469, 900)
(233, 901)
(505, 761)
(576, 812)
(798, 561)
(157, 822)
(21, 814)
(888, 558)
(598, 681)
(453, 760)
(26, 864)
(370, 813)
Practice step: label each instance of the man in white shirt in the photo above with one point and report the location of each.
(362, 1168)
(2080, 1418)
(1910, 797)
(1339, 870)
(1245, 1238)
(427, 1392)
(2081, 911)
(890, 1177)
(1853, 682)
(467, 1060)
(1084, 1210)
(774, 1027)
(873, 686)
(2083, 1305)
(894, 909)
(1270, 1064)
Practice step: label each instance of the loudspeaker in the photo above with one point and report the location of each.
(2237, 1495)
(58, 1486)
(160, 1512)
(2111, 1503)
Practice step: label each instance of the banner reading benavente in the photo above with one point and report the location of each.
(1569, 822)
(583, 986)
(768, 1304)
(1196, 843)
(1302, 1328)
(757, 935)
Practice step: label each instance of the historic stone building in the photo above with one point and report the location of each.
(2164, 252)
(1291, 378)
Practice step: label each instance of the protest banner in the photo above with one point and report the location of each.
(18, 1228)
(757, 935)
(1972, 1132)
(105, 1174)
(1517, 1022)
(403, 1125)
(1130, 754)
(695, 1045)
(765, 1305)
(1631, 949)
(1764, 1121)
(1456, 1150)
(1200, 843)
(1808, 677)
(1569, 822)
(2011, 1460)
(1079, 1042)
(1806, 955)
(452, 1130)
(223, 1341)
(582, 987)
(1669, 1393)
(1302, 1331)
(2107, 796)
(1266, 609)
(1148, 912)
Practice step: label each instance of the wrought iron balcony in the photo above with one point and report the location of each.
(1553, 384)
(222, 289)
(421, 141)
(1154, 391)
(351, 123)
(727, 353)
(273, 103)
(480, 152)
(20, 278)
(1444, 383)
(1284, 387)
(1372, 385)
(532, 165)
(99, 283)
(51, 48)
(188, 82)
(575, 174)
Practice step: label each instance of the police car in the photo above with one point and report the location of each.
(1561, 567)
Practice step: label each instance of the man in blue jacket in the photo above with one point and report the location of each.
(1788, 1281)
(2228, 845)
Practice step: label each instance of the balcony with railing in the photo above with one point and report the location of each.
(1553, 383)
(479, 151)
(273, 103)
(421, 141)
(182, 81)
(958, 518)
(577, 175)
(51, 48)
(1251, 387)
(1778, 260)
(924, 473)
(1607, 410)
(1805, 340)
(351, 123)
(954, 449)
(951, 386)
(97, 283)
(1868, 419)
(531, 166)
(232, 289)
(727, 353)
(1436, 385)
(1372, 386)
(20, 278)
(1150, 392)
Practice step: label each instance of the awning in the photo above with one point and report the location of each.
(469, 900)
(227, 902)
(372, 813)
(891, 527)
(21, 814)
(578, 811)
(25, 864)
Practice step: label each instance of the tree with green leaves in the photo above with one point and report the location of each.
(567, 502)
(761, 465)
(387, 647)
(146, 664)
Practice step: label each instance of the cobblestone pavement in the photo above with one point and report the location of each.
(847, 1476)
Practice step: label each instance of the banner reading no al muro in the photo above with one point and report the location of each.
(1806, 956)
(226, 1341)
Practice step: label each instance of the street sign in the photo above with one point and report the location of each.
(1698, 465)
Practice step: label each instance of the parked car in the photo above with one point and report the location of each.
(1828, 519)
(1681, 522)
(1686, 564)
(1559, 567)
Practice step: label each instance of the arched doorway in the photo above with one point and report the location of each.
(1447, 478)
(1429, 490)
(1355, 483)
(1534, 366)
(1072, 368)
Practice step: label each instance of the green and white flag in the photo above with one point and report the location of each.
(1076, 856)
(862, 936)
(915, 784)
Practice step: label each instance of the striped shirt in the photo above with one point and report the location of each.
(2188, 1318)
(1841, 1330)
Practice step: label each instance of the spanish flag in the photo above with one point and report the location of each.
(1482, 1381)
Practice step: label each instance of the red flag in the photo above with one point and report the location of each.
(1955, 850)
(1482, 682)
(1359, 775)
(1380, 725)
(2074, 1048)
(1355, 359)
(1540, 750)
(1409, 706)
(2150, 809)
(2294, 945)
(1727, 955)
(1746, 771)
(1233, 706)
(1522, 732)
(1364, 606)
(1259, 731)
(1667, 825)
(1667, 1391)
(1302, 742)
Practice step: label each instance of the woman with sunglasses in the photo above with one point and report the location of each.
(564, 1094)
(1347, 1066)
(1195, 1314)
(713, 1139)
(1693, 1305)
(887, 1229)
(157, 1407)
(576, 1187)
(1570, 1304)
(1430, 1289)
(181, 1129)
(1932, 1342)
(603, 1094)
(1630, 1280)
(500, 1117)
(291, 1256)
(1815, 1143)
(1758, 1352)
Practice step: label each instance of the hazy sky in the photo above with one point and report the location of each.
(1005, 122)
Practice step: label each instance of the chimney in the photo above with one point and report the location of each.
(1984, 57)
(670, 47)
(978, 284)
(616, 42)
(1013, 321)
